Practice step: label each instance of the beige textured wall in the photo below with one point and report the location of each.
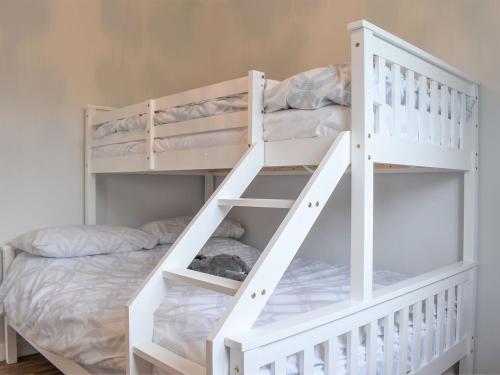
(58, 55)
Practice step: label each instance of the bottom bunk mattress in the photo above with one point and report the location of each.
(74, 307)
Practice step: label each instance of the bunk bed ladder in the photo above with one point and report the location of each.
(302, 214)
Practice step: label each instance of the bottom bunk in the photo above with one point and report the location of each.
(74, 308)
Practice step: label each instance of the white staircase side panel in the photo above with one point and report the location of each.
(277, 256)
(146, 300)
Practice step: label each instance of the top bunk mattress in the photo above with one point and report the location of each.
(74, 307)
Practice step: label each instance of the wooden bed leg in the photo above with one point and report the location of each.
(10, 343)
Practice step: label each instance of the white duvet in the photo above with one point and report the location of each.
(75, 306)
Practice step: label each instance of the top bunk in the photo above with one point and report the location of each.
(404, 106)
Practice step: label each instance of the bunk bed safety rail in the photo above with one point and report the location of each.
(425, 101)
(388, 334)
(143, 118)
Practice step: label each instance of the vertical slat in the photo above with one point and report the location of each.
(458, 326)
(388, 343)
(434, 117)
(352, 347)
(463, 120)
(331, 356)
(417, 330)
(454, 120)
(256, 82)
(280, 366)
(307, 362)
(429, 324)
(403, 340)
(90, 178)
(396, 99)
(410, 105)
(380, 125)
(150, 134)
(450, 316)
(422, 108)
(445, 132)
(371, 348)
(439, 327)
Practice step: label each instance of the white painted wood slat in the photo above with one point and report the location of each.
(331, 357)
(450, 316)
(440, 321)
(203, 280)
(423, 132)
(257, 202)
(396, 99)
(445, 131)
(429, 324)
(434, 116)
(454, 119)
(388, 343)
(380, 125)
(372, 348)
(410, 106)
(403, 340)
(417, 332)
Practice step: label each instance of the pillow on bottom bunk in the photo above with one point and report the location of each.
(81, 240)
(169, 229)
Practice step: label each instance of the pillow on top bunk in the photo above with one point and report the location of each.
(81, 240)
(312, 89)
(169, 229)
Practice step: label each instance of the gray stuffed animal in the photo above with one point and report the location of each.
(223, 265)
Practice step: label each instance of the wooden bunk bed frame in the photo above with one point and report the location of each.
(233, 346)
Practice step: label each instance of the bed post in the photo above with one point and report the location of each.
(89, 178)
(361, 164)
(470, 240)
(256, 83)
(10, 335)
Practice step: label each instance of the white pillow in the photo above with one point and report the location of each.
(81, 240)
(169, 229)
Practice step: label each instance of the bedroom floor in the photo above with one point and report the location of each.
(34, 364)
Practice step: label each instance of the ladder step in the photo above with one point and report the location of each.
(255, 202)
(203, 280)
(167, 360)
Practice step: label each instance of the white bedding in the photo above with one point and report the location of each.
(281, 125)
(74, 307)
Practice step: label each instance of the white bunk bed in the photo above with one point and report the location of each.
(445, 138)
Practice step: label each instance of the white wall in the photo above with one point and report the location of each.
(58, 55)
(415, 215)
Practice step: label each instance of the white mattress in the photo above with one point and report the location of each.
(74, 307)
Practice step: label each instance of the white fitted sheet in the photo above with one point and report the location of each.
(74, 306)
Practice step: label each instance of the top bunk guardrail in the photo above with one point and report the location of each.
(132, 135)
(430, 106)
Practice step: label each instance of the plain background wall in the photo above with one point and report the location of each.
(58, 55)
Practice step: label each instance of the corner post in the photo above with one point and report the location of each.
(470, 240)
(256, 84)
(89, 178)
(361, 163)
(8, 253)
